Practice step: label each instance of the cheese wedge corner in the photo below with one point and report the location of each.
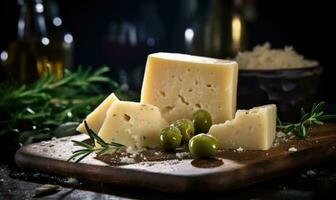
(252, 129)
(96, 118)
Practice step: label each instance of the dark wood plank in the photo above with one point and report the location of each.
(230, 170)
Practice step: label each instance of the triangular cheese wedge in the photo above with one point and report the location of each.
(252, 129)
(96, 118)
(134, 125)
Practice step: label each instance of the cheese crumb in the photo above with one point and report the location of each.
(43, 143)
(280, 134)
(181, 155)
(276, 143)
(127, 160)
(71, 181)
(240, 149)
(264, 57)
(132, 150)
(133, 155)
(292, 149)
(311, 173)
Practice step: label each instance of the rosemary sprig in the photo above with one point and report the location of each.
(315, 116)
(91, 148)
(28, 110)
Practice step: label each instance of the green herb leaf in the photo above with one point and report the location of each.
(290, 128)
(319, 107)
(278, 121)
(91, 148)
(326, 117)
(303, 112)
(302, 132)
(305, 117)
(82, 144)
(316, 116)
(50, 102)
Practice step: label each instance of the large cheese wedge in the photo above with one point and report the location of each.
(180, 84)
(252, 129)
(135, 125)
(95, 118)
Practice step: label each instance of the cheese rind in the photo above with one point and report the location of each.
(180, 84)
(252, 129)
(134, 125)
(96, 118)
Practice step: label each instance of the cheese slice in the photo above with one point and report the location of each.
(95, 118)
(180, 84)
(252, 129)
(135, 125)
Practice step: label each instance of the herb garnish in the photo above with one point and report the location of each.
(90, 147)
(43, 109)
(315, 117)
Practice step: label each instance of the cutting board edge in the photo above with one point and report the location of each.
(229, 180)
(175, 183)
(238, 180)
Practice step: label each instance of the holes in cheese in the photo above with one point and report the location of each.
(163, 93)
(183, 100)
(252, 129)
(95, 118)
(127, 117)
(135, 125)
(188, 82)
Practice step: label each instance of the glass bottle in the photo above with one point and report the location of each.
(31, 56)
(61, 41)
(211, 28)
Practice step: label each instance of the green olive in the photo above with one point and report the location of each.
(186, 128)
(203, 145)
(170, 138)
(202, 121)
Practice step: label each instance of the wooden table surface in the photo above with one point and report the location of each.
(310, 183)
(230, 170)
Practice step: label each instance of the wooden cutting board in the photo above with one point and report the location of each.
(168, 172)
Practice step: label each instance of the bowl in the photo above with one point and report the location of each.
(289, 89)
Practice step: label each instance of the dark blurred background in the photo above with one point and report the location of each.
(121, 34)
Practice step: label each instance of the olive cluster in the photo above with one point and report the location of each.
(193, 131)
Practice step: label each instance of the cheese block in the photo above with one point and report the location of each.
(179, 84)
(134, 125)
(95, 118)
(252, 129)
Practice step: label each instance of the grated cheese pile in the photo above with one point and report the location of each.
(264, 58)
